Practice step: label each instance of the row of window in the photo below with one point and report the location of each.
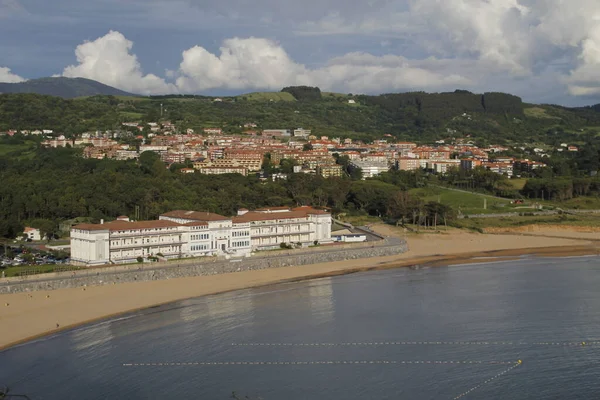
(131, 242)
(245, 243)
(199, 247)
(242, 233)
(200, 237)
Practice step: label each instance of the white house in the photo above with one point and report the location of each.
(32, 233)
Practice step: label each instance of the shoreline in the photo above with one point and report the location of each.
(33, 314)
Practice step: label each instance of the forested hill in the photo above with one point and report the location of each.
(489, 117)
(67, 88)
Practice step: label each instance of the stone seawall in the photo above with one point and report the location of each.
(109, 276)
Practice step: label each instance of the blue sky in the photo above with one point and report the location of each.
(542, 50)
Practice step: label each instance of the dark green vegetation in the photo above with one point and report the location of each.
(496, 118)
(58, 185)
(67, 88)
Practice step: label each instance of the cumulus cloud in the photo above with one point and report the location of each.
(108, 60)
(8, 77)
(242, 63)
(255, 63)
(433, 45)
(263, 64)
(585, 79)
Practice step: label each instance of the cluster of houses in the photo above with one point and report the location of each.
(213, 152)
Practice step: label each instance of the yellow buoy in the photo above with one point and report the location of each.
(520, 362)
(583, 343)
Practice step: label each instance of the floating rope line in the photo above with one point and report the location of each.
(506, 371)
(355, 362)
(572, 344)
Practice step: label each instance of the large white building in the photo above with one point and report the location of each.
(370, 169)
(181, 234)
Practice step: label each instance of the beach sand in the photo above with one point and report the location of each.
(25, 316)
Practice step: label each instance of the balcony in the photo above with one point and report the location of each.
(144, 245)
(145, 234)
(282, 234)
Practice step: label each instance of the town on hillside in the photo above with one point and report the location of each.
(213, 152)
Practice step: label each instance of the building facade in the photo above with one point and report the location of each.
(182, 234)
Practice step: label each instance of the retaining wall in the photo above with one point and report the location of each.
(109, 276)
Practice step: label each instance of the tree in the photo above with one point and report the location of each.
(147, 160)
(356, 173)
(401, 206)
(307, 147)
(287, 165)
(48, 228)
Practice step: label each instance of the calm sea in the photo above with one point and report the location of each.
(439, 333)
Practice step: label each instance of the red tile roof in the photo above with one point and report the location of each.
(126, 225)
(194, 215)
(299, 212)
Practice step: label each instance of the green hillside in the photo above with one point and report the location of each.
(67, 88)
(419, 116)
(267, 96)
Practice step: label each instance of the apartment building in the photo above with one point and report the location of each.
(499, 167)
(251, 159)
(411, 164)
(370, 169)
(328, 170)
(220, 170)
(527, 165)
(181, 233)
(442, 166)
(470, 163)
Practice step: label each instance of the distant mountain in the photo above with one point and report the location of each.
(67, 88)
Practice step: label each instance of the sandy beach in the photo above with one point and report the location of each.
(26, 316)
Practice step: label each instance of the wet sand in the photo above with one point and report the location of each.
(26, 316)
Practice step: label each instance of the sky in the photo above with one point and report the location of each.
(546, 51)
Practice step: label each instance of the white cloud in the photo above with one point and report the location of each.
(108, 60)
(259, 64)
(256, 63)
(8, 77)
(585, 79)
(242, 64)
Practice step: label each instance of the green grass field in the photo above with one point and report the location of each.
(27, 149)
(467, 203)
(131, 115)
(9, 148)
(538, 112)
(359, 220)
(518, 183)
(37, 269)
(268, 96)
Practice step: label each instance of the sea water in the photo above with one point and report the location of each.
(526, 329)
